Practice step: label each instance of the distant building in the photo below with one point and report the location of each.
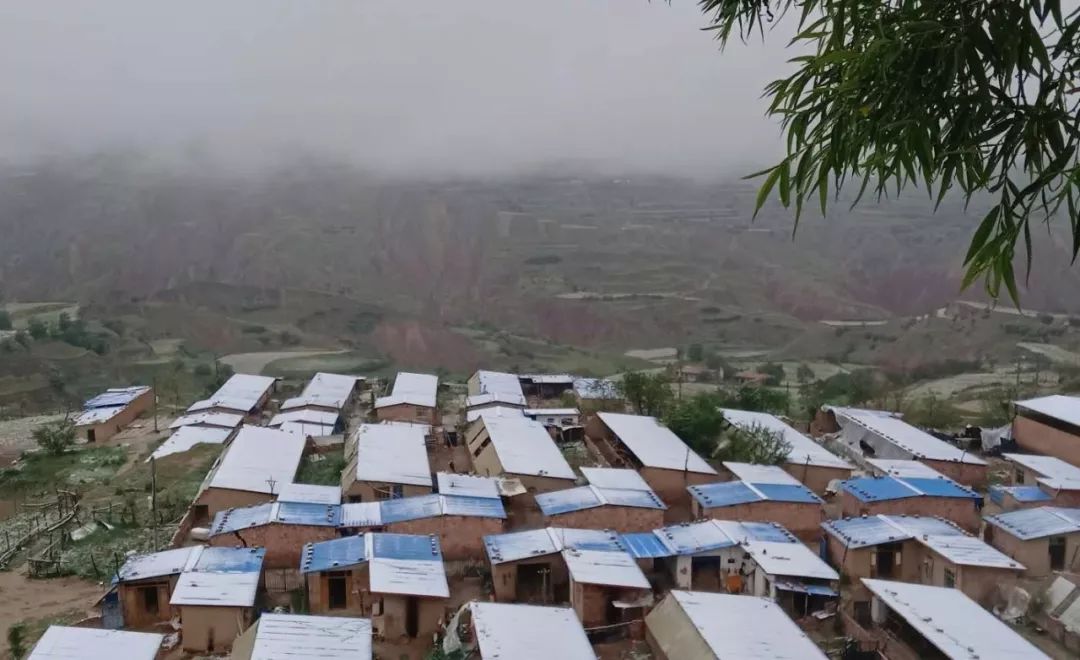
(66, 643)
(919, 549)
(216, 598)
(242, 394)
(309, 422)
(397, 580)
(546, 386)
(513, 446)
(282, 528)
(807, 461)
(326, 392)
(110, 412)
(642, 443)
(763, 493)
(414, 398)
(595, 394)
(617, 499)
(390, 461)
(564, 424)
(704, 626)
(301, 637)
(528, 632)
(209, 420)
(494, 388)
(1044, 539)
(699, 373)
(901, 620)
(751, 379)
(1038, 481)
(1049, 425)
(912, 490)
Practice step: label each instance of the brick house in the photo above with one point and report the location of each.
(912, 495)
(1039, 481)
(1044, 539)
(617, 499)
(389, 461)
(216, 598)
(414, 398)
(1049, 425)
(145, 583)
(505, 443)
(110, 412)
(281, 528)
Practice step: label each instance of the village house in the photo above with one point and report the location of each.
(216, 597)
(414, 398)
(915, 490)
(919, 549)
(511, 445)
(595, 394)
(1044, 540)
(112, 411)
(326, 392)
(396, 580)
(564, 424)
(502, 631)
(242, 394)
(185, 438)
(810, 463)
(903, 621)
(705, 626)
(144, 586)
(281, 528)
(606, 587)
(764, 493)
(68, 643)
(308, 422)
(389, 461)
(666, 463)
(699, 373)
(877, 434)
(208, 420)
(257, 463)
(301, 637)
(615, 498)
(309, 493)
(1049, 425)
(489, 389)
(1038, 481)
(546, 387)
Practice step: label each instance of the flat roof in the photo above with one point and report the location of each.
(419, 507)
(507, 631)
(392, 453)
(97, 415)
(745, 627)
(951, 621)
(415, 389)
(68, 643)
(115, 396)
(219, 419)
(524, 447)
(918, 443)
(259, 460)
(303, 637)
(1057, 406)
(504, 411)
(241, 392)
(708, 535)
(305, 415)
(1056, 473)
(410, 564)
(159, 564)
(604, 567)
(312, 493)
(467, 484)
(969, 551)
(324, 389)
(624, 478)
(790, 559)
(865, 531)
(653, 444)
(804, 451)
(733, 493)
(186, 437)
(1019, 493)
(514, 546)
(1038, 522)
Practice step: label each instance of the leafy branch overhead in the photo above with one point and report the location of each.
(975, 95)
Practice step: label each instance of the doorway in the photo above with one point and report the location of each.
(91, 435)
(337, 590)
(534, 583)
(1057, 553)
(150, 599)
(885, 560)
(412, 617)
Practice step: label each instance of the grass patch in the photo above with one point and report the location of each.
(97, 556)
(324, 472)
(39, 472)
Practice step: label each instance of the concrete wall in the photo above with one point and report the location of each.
(960, 511)
(620, 518)
(391, 622)
(1034, 554)
(802, 520)
(283, 543)
(460, 537)
(1040, 438)
(968, 474)
(220, 499)
(136, 616)
(119, 421)
(816, 477)
(671, 485)
(212, 629)
(406, 412)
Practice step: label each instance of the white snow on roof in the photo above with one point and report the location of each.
(898, 432)
(955, 624)
(320, 417)
(65, 643)
(218, 419)
(623, 478)
(467, 484)
(899, 467)
(241, 392)
(414, 389)
(653, 444)
(327, 390)
(1058, 406)
(1055, 472)
(524, 447)
(529, 632)
(746, 627)
(216, 589)
(298, 637)
(293, 492)
(186, 437)
(969, 551)
(790, 559)
(257, 457)
(391, 453)
(752, 473)
(613, 569)
(804, 451)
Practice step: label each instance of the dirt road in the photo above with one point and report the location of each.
(23, 599)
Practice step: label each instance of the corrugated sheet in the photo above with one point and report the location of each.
(571, 499)
(529, 632)
(915, 442)
(115, 397)
(297, 637)
(624, 478)
(308, 513)
(410, 508)
(796, 493)
(586, 539)
(409, 577)
(312, 493)
(392, 453)
(305, 415)
(259, 460)
(641, 499)
(465, 484)
(218, 419)
(232, 520)
(726, 493)
(1037, 523)
(645, 545)
(415, 389)
(492, 382)
(693, 538)
(475, 507)
(1055, 472)
(941, 487)
(226, 577)
(1057, 406)
(489, 398)
(524, 447)
(499, 411)
(502, 548)
(789, 584)
(604, 567)
(792, 559)
(324, 389)
(64, 643)
(876, 489)
(804, 451)
(96, 416)
(241, 392)
(1019, 493)
(741, 531)
(186, 437)
(361, 514)
(653, 444)
(308, 430)
(903, 468)
(157, 564)
(753, 473)
(969, 551)
(405, 546)
(334, 555)
(230, 560)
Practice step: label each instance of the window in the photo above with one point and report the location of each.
(482, 447)
(150, 599)
(337, 589)
(420, 413)
(1019, 477)
(950, 578)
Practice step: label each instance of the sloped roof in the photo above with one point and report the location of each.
(324, 389)
(68, 643)
(259, 460)
(588, 497)
(804, 451)
(303, 637)
(1035, 523)
(524, 447)
(415, 389)
(789, 559)
(293, 492)
(1057, 406)
(223, 577)
(624, 478)
(392, 453)
(879, 489)
(241, 392)
(653, 444)
(1056, 473)
(529, 632)
(186, 437)
(305, 415)
(614, 569)
(219, 419)
(467, 484)
(916, 442)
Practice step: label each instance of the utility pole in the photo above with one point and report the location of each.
(153, 386)
(153, 496)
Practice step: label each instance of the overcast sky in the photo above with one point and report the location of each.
(426, 86)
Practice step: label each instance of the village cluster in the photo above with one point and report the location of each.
(871, 523)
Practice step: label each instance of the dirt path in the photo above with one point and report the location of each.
(254, 363)
(23, 599)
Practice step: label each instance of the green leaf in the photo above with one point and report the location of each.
(766, 188)
(978, 241)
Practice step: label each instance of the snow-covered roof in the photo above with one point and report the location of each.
(326, 390)
(524, 447)
(653, 444)
(293, 492)
(804, 451)
(186, 437)
(905, 436)
(529, 632)
(467, 484)
(414, 389)
(956, 625)
(1056, 406)
(241, 392)
(391, 453)
(301, 637)
(1056, 473)
(218, 419)
(259, 460)
(789, 559)
(68, 643)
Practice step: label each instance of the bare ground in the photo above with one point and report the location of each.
(254, 363)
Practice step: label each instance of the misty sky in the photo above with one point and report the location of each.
(425, 86)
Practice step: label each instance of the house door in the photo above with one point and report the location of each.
(1057, 553)
(885, 561)
(337, 591)
(91, 435)
(412, 617)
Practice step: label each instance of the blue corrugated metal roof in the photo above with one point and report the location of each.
(789, 584)
(332, 555)
(308, 513)
(875, 530)
(1040, 522)
(692, 538)
(726, 493)
(230, 560)
(410, 508)
(232, 520)
(1019, 493)
(645, 545)
(642, 499)
(476, 507)
(285, 513)
(114, 397)
(788, 493)
(938, 487)
(405, 546)
(564, 501)
(519, 545)
(875, 489)
(756, 531)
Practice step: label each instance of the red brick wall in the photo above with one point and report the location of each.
(590, 603)
(960, 511)
(964, 473)
(816, 477)
(283, 543)
(802, 520)
(1039, 438)
(671, 485)
(408, 413)
(220, 499)
(460, 537)
(620, 518)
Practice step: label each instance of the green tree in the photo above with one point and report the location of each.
(55, 437)
(647, 394)
(941, 94)
(697, 420)
(16, 640)
(933, 412)
(5, 320)
(756, 444)
(37, 328)
(804, 374)
(695, 353)
(774, 371)
(757, 399)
